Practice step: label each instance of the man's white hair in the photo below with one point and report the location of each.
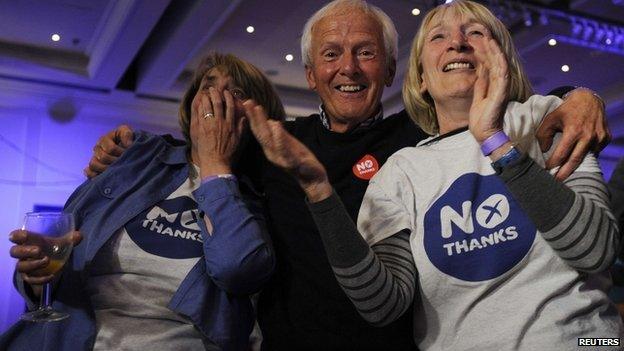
(390, 35)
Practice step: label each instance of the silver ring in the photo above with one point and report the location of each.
(208, 115)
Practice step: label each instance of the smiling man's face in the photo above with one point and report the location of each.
(349, 67)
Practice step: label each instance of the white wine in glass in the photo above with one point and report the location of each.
(52, 232)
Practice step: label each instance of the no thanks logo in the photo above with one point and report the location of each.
(366, 167)
(169, 229)
(476, 230)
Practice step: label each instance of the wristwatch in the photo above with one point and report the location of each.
(510, 157)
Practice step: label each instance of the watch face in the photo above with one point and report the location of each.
(510, 157)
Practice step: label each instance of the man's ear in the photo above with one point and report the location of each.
(310, 77)
(391, 71)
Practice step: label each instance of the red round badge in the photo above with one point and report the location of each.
(366, 167)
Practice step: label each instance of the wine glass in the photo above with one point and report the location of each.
(52, 232)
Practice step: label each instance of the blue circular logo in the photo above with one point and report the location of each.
(476, 231)
(169, 229)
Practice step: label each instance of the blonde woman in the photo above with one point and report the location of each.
(494, 253)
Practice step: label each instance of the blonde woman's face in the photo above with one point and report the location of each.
(447, 58)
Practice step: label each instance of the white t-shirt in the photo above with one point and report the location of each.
(486, 278)
(138, 270)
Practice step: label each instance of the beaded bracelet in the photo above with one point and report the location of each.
(217, 176)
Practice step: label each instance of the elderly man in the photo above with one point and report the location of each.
(349, 50)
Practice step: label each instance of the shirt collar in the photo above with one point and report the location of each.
(364, 124)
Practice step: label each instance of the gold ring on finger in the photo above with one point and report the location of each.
(208, 115)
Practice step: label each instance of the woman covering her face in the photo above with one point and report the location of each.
(173, 237)
(494, 253)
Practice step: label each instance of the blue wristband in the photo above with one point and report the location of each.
(492, 143)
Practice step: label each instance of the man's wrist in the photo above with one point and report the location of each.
(584, 89)
(317, 191)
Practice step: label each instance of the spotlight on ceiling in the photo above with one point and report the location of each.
(528, 21)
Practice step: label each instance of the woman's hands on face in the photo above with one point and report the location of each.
(215, 131)
(288, 153)
(490, 91)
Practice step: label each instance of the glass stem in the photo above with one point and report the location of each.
(46, 298)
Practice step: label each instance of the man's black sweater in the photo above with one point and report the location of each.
(302, 307)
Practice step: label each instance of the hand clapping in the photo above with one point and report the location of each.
(288, 153)
(490, 92)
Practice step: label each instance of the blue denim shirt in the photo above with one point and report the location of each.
(237, 259)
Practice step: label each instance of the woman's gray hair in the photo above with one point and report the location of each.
(390, 35)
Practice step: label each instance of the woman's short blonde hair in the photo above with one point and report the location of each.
(245, 75)
(419, 106)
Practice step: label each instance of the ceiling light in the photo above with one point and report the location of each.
(55, 37)
(565, 68)
(552, 42)
(608, 41)
(415, 12)
(528, 21)
(250, 29)
(289, 57)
